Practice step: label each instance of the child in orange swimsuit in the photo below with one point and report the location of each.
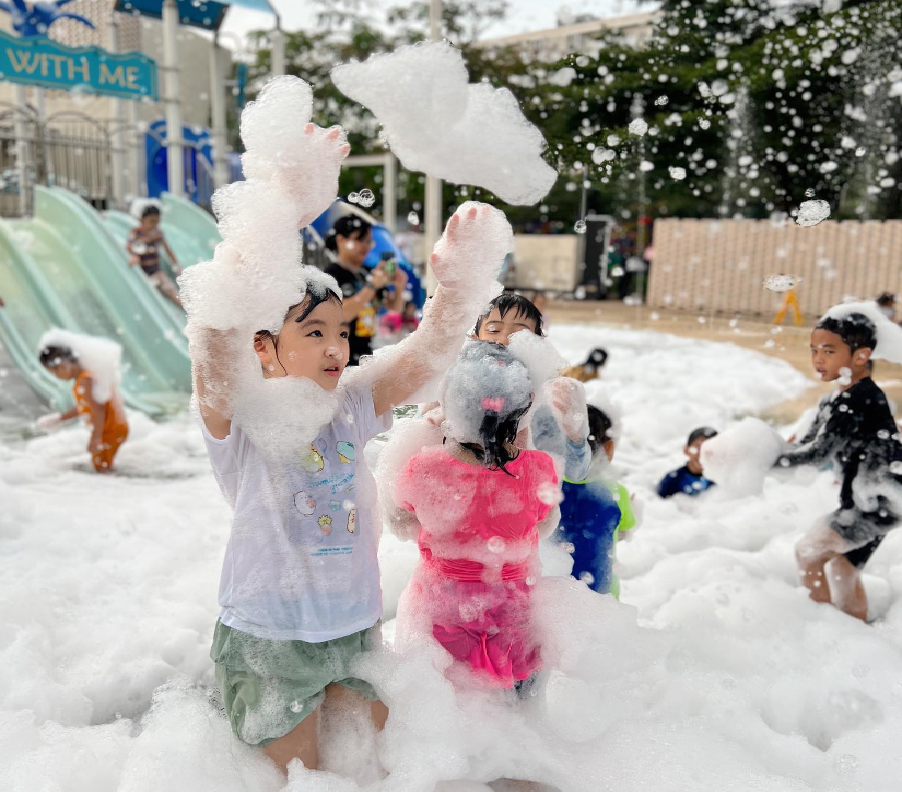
(94, 365)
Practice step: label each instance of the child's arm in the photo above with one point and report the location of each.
(563, 429)
(465, 284)
(821, 440)
(213, 372)
(547, 526)
(133, 258)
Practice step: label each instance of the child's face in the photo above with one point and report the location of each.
(150, 222)
(65, 370)
(316, 348)
(693, 451)
(499, 329)
(354, 251)
(830, 355)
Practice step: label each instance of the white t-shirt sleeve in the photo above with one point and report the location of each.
(226, 457)
(361, 406)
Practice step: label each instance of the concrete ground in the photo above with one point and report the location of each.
(789, 343)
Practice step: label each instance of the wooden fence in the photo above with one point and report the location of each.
(720, 265)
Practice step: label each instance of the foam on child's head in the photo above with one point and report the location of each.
(862, 325)
(98, 356)
(487, 379)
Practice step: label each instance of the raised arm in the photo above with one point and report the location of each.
(466, 262)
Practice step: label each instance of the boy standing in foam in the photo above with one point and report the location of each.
(854, 428)
(286, 427)
(94, 365)
(689, 479)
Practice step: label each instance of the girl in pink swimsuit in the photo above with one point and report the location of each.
(481, 505)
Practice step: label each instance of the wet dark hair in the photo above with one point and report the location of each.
(150, 211)
(596, 360)
(512, 302)
(496, 432)
(51, 356)
(600, 424)
(885, 299)
(855, 330)
(703, 431)
(315, 296)
(349, 226)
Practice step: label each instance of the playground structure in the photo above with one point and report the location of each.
(67, 267)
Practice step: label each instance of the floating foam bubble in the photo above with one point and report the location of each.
(438, 123)
(781, 283)
(812, 212)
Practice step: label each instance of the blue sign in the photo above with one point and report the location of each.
(206, 14)
(44, 62)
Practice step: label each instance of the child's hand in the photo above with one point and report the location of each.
(473, 247)
(47, 423)
(315, 176)
(133, 261)
(568, 401)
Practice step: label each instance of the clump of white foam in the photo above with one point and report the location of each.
(438, 123)
(539, 354)
(138, 205)
(889, 334)
(739, 458)
(256, 274)
(812, 212)
(100, 357)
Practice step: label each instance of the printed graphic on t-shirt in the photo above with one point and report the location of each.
(323, 517)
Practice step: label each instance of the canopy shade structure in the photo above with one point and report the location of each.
(206, 14)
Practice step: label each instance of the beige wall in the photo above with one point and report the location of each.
(720, 265)
(545, 261)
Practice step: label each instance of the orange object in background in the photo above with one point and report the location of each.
(790, 300)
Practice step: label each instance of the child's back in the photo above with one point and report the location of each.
(479, 549)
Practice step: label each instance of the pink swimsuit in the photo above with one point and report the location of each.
(479, 548)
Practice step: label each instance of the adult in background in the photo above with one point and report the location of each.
(350, 240)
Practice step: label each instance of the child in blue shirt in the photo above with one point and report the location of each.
(689, 479)
(594, 512)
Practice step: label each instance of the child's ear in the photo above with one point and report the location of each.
(689, 452)
(863, 356)
(609, 449)
(266, 352)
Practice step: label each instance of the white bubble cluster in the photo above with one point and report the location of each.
(812, 212)
(437, 122)
(677, 173)
(638, 126)
(781, 283)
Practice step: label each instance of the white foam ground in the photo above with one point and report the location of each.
(732, 679)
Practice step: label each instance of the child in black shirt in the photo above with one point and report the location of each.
(855, 430)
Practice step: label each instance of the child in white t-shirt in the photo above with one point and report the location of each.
(286, 429)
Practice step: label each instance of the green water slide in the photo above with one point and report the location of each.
(75, 274)
(30, 309)
(192, 232)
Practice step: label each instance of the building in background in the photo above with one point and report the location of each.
(548, 46)
(136, 34)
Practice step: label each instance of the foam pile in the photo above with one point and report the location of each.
(437, 122)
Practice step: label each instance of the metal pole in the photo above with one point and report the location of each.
(389, 193)
(22, 148)
(117, 160)
(432, 204)
(277, 44)
(136, 166)
(174, 150)
(218, 113)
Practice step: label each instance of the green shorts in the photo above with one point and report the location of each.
(269, 687)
